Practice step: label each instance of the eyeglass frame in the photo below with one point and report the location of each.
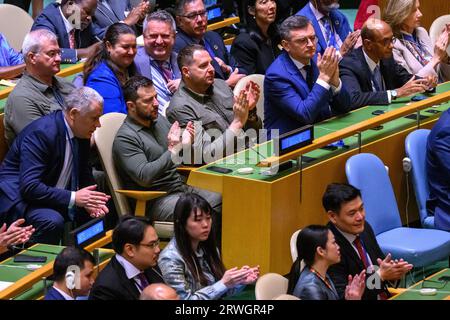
(302, 42)
(194, 15)
(386, 42)
(151, 245)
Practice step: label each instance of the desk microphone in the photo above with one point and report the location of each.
(252, 148)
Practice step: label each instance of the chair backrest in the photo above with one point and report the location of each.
(436, 28)
(104, 138)
(15, 23)
(416, 149)
(259, 79)
(286, 297)
(293, 242)
(270, 285)
(3, 144)
(367, 172)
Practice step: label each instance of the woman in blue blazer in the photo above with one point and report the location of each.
(112, 65)
(318, 249)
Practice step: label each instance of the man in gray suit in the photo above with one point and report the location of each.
(112, 11)
(146, 147)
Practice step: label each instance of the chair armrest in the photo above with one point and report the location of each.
(395, 291)
(185, 170)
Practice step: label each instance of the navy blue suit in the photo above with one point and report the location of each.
(51, 19)
(29, 173)
(338, 20)
(438, 172)
(289, 104)
(105, 17)
(354, 71)
(53, 294)
(215, 42)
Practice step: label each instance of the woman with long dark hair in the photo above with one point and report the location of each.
(318, 249)
(191, 263)
(112, 65)
(256, 48)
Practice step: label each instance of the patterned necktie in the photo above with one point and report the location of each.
(377, 79)
(166, 70)
(142, 281)
(329, 33)
(309, 76)
(361, 251)
(72, 39)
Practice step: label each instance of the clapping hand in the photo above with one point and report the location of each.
(356, 286)
(253, 92)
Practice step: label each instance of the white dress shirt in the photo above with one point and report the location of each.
(130, 270)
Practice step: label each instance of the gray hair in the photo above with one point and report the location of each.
(33, 40)
(81, 99)
(396, 12)
(179, 8)
(163, 16)
(292, 23)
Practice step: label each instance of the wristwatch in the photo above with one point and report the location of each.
(394, 94)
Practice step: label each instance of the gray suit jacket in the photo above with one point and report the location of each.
(406, 59)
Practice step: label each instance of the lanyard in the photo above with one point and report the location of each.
(324, 280)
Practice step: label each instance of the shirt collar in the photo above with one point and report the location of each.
(319, 15)
(202, 98)
(350, 237)
(69, 130)
(130, 270)
(372, 65)
(297, 63)
(65, 295)
(69, 27)
(38, 83)
(136, 126)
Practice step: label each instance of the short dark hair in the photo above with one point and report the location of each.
(132, 86)
(292, 23)
(185, 56)
(367, 33)
(179, 7)
(70, 256)
(131, 230)
(337, 194)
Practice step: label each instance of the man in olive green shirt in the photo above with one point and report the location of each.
(39, 91)
(210, 104)
(146, 148)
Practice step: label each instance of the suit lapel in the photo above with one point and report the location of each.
(61, 27)
(127, 284)
(346, 247)
(60, 141)
(295, 73)
(337, 25)
(117, 9)
(364, 67)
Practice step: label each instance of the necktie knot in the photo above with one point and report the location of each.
(164, 66)
(142, 281)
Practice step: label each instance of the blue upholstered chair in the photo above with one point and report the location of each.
(420, 247)
(416, 149)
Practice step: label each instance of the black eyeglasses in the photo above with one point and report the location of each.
(151, 245)
(194, 15)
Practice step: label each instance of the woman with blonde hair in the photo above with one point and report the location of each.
(414, 50)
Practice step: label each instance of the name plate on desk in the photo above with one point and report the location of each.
(293, 140)
(88, 233)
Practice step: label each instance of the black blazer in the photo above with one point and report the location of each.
(253, 53)
(356, 75)
(112, 283)
(352, 264)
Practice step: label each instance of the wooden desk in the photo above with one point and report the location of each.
(222, 24)
(260, 213)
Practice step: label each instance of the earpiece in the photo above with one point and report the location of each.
(70, 280)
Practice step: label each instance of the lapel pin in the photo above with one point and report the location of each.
(216, 47)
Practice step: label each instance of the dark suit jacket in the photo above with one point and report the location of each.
(112, 283)
(215, 41)
(355, 72)
(51, 19)
(289, 104)
(32, 166)
(438, 172)
(352, 264)
(53, 294)
(104, 17)
(338, 19)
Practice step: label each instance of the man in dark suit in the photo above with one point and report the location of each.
(112, 11)
(372, 75)
(331, 26)
(297, 90)
(438, 172)
(358, 244)
(191, 17)
(135, 264)
(73, 275)
(45, 176)
(70, 21)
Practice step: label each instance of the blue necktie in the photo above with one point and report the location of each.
(74, 175)
(377, 79)
(329, 32)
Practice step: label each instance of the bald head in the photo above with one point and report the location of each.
(373, 28)
(159, 291)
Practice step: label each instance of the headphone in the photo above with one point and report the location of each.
(70, 279)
